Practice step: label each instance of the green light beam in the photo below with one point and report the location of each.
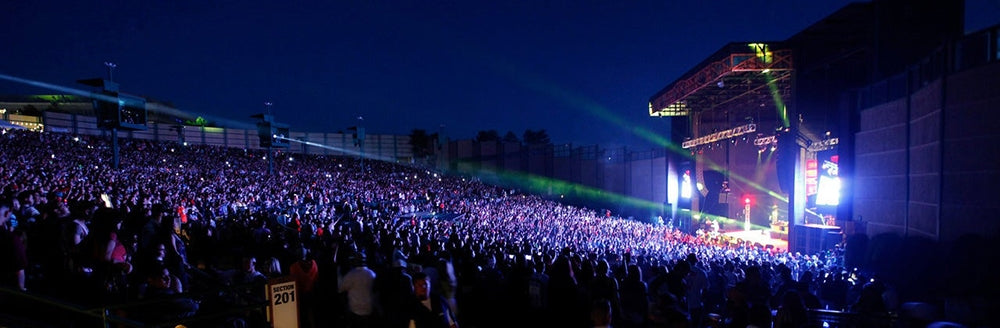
(779, 104)
(540, 85)
(544, 185)
(344, 150)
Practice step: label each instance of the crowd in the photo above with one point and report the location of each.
(180, 230)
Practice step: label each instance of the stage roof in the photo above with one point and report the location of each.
(742, 76)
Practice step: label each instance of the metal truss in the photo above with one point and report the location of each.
(764, 141)
(823, 145)
(721, 135)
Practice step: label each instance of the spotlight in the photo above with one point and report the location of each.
(773, 148)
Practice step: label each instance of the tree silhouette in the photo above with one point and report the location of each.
(423, 144)
(30, 110)
(510, 137)
(540, 137)
(488, 136)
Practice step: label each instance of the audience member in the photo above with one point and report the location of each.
(429, 310)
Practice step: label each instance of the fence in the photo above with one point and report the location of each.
(386, 147)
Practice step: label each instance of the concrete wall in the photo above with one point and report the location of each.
(923, 210)
(971, 153)
(615, 177)
(880, 172)
(928, 165)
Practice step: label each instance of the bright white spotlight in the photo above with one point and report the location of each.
(828, 192)
(686, 185)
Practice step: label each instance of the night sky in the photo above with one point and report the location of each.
(581, 70)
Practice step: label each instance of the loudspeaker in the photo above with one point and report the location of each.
(811, 239)
(785, 161)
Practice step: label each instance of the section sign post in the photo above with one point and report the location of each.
(283, 310)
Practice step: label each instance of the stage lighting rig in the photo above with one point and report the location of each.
(721, 135)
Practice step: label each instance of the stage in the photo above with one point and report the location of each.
(762, 237)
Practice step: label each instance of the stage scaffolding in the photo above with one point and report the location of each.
(740, 93)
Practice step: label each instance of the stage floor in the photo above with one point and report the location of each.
(762, 237)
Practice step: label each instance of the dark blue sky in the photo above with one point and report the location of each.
(568, 67)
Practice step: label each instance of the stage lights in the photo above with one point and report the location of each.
(823, 145)
(686, 185)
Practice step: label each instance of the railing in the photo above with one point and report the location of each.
(828, 319)
(842, 319)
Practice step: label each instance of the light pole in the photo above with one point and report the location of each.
(270, 149)
(111, 69)
(361, 141)
(115, 110)
(272, 135)
(114, 129)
